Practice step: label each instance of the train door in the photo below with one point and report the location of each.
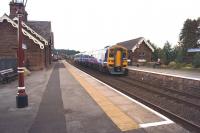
(118, 58)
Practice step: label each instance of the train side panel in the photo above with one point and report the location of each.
(111, 59)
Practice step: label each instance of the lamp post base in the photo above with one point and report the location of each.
(21, 101)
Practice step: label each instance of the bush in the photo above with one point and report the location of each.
(179, 56)
(150, 64)
(196, 60)
(163, 66)
(189, 65)
(179, 65)
(172, 64)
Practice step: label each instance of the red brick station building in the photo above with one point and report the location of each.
(140, 51)
(38, 38)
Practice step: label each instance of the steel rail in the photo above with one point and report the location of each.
(160, 93)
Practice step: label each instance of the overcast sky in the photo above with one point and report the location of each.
(92, 24)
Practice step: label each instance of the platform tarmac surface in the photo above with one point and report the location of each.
(64, 100)
(50, 117)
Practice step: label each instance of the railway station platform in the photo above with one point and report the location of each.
(169, 72)
(64, 99)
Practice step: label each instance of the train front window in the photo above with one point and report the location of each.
(106, 55)
(123, 54)
(111, 53)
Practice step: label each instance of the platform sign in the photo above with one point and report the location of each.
(194, 50)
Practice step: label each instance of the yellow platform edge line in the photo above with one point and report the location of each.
(121, 120)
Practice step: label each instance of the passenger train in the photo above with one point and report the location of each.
(112, 59)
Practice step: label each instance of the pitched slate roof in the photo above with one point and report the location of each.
(41, 27)
(130, 43)
(134, 43)
(24, 31)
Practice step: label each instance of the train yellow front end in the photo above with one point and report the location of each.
(117, 60)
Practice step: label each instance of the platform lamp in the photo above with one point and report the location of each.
(22, 97)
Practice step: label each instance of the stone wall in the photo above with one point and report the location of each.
(34, 56)
(165, 81)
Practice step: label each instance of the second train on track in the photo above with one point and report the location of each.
(112, 59)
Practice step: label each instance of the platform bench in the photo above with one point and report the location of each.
(7, 75)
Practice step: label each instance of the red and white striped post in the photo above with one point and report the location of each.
(22, 97)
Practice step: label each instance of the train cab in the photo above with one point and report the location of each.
(117, 60)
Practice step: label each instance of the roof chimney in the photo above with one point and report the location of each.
(17, 5)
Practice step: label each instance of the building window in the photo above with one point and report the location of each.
(141, 55)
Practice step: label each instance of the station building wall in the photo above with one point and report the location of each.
(143, 52)
(35, 58)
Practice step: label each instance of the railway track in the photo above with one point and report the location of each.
(186, 123)
(181, 97)
(160, 101)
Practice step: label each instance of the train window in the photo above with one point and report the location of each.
(124, 54)
(111, 53)
(142, 55)
(106, 55)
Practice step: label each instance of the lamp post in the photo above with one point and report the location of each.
(22, 97)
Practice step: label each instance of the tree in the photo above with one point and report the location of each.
(196, 60)
(198, 32)
(167, 53)
(64, 52)
(188, 36)
(178, 54)
(155, 54)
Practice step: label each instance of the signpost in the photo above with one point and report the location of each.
(22, 97)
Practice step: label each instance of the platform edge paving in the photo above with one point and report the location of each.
(123, 121)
